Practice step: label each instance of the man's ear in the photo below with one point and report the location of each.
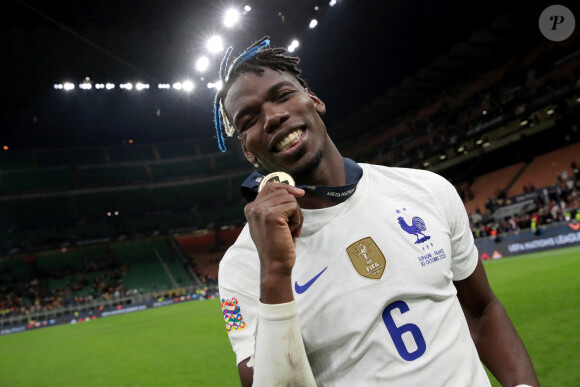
(318, 104)
(249, 155)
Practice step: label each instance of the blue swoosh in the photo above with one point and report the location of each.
(302, 288)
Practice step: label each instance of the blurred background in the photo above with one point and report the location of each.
(113, 192)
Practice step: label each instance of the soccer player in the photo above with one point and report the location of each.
(359, 275)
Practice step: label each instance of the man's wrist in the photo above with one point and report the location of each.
(276, 288)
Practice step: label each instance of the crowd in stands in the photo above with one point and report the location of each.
(58, 286)
(557, 203)
(459, 117)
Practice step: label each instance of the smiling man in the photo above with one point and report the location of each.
(361, 274)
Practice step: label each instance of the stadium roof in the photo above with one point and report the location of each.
(368, 60)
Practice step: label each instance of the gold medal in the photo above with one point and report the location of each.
(277, 177)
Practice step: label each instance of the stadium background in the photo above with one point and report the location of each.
(113, 201)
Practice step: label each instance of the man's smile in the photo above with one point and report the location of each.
(289, 140)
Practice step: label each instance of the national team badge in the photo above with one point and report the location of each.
(416, 228)
(367, 258)
(232, 315)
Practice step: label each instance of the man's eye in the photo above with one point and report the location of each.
(248, 123)
(284, 95)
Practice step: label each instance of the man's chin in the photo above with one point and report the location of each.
(308, 166)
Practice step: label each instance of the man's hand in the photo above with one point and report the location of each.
(275, 220)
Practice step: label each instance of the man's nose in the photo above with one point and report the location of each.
(274, 116)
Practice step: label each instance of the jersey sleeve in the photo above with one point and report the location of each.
(239, 294)
(463, 250)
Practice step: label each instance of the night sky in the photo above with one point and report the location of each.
(359, 50)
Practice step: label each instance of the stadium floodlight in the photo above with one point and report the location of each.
(164, 86)
(332, 3)
(293, 45)
(177, 85)
(214, 85)
(141, 86)
(85, 86)
(127, 86)
(313, 23)
(187, 85)
(110, 86)
(69, 86)
(99, 86)
(202, 64)
(247, 8)
(58, 86)
(231, 17)
(214, 44)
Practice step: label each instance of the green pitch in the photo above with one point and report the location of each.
(186, 344)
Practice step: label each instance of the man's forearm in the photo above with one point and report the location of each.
(280, 358)
(500, 347)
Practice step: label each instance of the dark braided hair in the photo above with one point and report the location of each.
(255, 58)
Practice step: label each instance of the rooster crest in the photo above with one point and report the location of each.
(417, 228)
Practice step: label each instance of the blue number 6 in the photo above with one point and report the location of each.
(397, 332)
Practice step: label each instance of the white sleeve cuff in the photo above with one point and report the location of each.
(277, 312)
(280, 357)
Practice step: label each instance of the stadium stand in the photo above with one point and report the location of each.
(491, 184)
(180, 169)
(114, 175)
(14, 160)
(128, 153)
(36, 180)
(70, 157)
(146, 270)
(181, 199)
(548, 169)
(175, 150)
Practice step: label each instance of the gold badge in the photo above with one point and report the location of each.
(367, 258)
(277, 177)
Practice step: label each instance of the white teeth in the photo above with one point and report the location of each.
(289, 141)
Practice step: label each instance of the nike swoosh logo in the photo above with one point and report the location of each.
(302, 288)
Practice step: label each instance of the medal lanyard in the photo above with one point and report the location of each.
(353, 173)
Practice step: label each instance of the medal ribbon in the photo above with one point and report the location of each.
(353, 173)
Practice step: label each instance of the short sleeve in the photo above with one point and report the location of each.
(239, 294)
(463, 251)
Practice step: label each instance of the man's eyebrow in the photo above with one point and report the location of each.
(280, 85)
(270, 91)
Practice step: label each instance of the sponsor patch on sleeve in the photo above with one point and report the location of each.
(232, 315)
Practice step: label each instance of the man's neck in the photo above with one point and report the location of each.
(330, 172)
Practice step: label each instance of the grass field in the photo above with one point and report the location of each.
(186, 344)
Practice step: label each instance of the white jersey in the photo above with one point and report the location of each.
(373, 283)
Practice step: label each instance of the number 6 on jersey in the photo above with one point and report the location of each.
(397, 332)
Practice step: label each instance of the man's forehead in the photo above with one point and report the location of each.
(250, 83)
